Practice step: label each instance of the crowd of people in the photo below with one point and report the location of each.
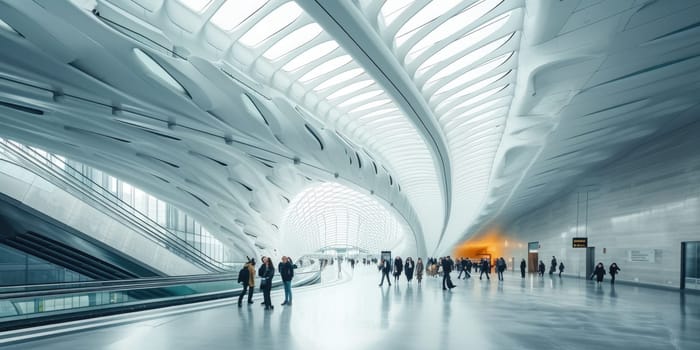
(246, 277)
(445, 265)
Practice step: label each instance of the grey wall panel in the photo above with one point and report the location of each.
(648, 200)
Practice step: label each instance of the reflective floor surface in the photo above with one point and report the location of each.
(354, 313)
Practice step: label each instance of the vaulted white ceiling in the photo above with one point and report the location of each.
(453, 115)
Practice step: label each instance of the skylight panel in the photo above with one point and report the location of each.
(393, 9)
(468, 59)
(454, 24)
(477, 86)
(351, 88)
(158, 71)
(271, 24)
(342, 77)
(475, 73)
(466, 41)
(325, 67)
(370, 105)
(196, 5)
(361, 97)
(429, 13)
(292, 41)
(479, 98)
(311, 55)
(234, 12)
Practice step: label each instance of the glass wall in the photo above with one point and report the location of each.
(164, 214)
(19, 268)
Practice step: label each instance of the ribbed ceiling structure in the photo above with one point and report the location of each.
(454, 115)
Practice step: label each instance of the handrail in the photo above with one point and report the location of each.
(111, 202)
(128, 286)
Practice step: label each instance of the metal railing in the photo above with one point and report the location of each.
(56, 171)
(31, 305)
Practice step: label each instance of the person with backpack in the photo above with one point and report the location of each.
(500, 267)
(246, 276)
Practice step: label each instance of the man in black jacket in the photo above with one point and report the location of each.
(286, 269)
(447, 266)
(385, 267)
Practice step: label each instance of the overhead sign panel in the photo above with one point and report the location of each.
(580, 242)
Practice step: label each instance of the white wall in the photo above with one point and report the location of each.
(648, 199)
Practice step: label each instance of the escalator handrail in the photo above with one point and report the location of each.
(129, 285)
(169, 241)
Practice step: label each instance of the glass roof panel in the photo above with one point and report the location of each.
(370, 105)
(292, 41)
(195, 5)
(351, 88)
(477, 98)
(468, 40)
(477, 86)
(361, 97)
(344, 76)
(393, 8)
(311, 55)
(475, 73)
(468, 59)
(427, 14)
(234, 12)
(271, 24)
(326, 67)
(454, 24)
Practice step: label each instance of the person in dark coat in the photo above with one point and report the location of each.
(599, 272)
(398, 268)
(447, 266)
(561, 268)
(268, 271)
(409, 267)
(419, 270)
(500, 267)
(523, 265)
(286, 270)
(541, 268)
(614, 270)
(553, 267)
(485, 268)
(384, 267)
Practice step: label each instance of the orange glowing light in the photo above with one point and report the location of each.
(490, 244)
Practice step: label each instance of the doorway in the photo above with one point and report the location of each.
(690, 265)
(532, 256)
(590, 261)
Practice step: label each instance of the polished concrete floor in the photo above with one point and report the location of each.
(354, 313)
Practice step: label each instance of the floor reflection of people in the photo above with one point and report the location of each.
(386, 305)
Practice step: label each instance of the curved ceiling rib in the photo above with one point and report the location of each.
(453, 62)
(346, 24)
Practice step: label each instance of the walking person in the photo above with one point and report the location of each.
(398, 268)
(268, 271)
(419, 270)
(541, 268)
(500, 267)
(561, 268)
(523, 265)
(385, 268)
(553, 267)
(409, 268)
(447, 266)
(614, 270)
(249, 283)
(485, 268)
(599, 272)
(286, 269)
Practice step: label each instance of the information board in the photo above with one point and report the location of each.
(580, 242)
